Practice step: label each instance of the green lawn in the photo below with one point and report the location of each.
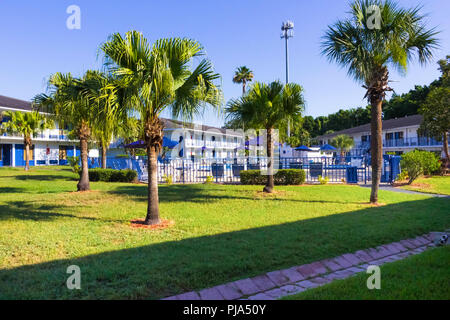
(421, 277)
(221, 233)
(435, 184)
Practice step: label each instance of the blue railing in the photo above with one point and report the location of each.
(413, 142)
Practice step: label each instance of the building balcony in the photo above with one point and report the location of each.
(41, 136)
(412, 142)
(211, 144)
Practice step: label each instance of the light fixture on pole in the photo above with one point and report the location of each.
(287, 29)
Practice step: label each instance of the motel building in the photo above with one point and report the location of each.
(399, 136)
(202, 141)
(50, 147)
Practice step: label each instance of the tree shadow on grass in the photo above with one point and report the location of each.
(168, 268)
(28, 210)
(200, 194)
(46, 177)
(4, 190)
(178, 193)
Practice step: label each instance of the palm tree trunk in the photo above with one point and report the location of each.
(376, 148)
(83, 184)
(270, 181)
(243, 88)
(103, 156)
(27, 155)
(447, 157)
(152, 196)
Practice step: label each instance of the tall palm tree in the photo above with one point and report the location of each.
(378, 34)
(243, 75)
(343, 142)
(158, 77)
(267, 106)
(75, 101)
(29, 125)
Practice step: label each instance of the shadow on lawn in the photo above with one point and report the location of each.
(202, 194)
(167, 268)
(4, 190)
(27, 210)
(179, 193)
(46, 177)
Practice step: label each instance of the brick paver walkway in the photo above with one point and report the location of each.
(280, 283)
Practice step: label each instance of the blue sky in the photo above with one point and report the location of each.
(36, 42)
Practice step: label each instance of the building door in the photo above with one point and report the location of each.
(5, 154)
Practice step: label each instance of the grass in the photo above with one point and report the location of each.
(221, 233)
(421, 277)
(435, 184)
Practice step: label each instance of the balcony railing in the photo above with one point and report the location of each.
(212, 144)
(40, 136)
(412, 142)
(408, 142)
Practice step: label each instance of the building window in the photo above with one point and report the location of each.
(62, 153)
(213, 138)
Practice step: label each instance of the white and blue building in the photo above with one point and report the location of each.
(50, 147)
(400, 136)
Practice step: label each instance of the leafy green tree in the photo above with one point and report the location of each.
(436, 116)
(342, 142)
(243, 75)
(379, 34)
(29, 125)
(157, 77)
(417, 163)
(436, 109)
(267, 106)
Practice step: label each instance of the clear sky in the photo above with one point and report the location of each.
(35, 42)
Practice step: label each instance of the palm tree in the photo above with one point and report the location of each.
(379, 34)
(107, 92)
(28, 124)
(243, 75)
(158, 77)
(76, 101)
(344, 143)
(267, 106)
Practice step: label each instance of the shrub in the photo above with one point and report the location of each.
(209, 180)
(74, 164)
(111, 175)
(402, 176)
(417, 163)
(282, 177)
(168, 179)
(323, 180)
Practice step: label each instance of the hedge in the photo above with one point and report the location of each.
(282, 177)
(111, 175)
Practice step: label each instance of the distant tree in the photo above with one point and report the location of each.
(343, 142)
(436, 109)
(242, 76)
(27, 124)
(436, 116)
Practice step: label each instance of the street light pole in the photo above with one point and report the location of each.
(287, 32)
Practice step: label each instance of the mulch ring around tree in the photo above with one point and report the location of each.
(164, 224)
